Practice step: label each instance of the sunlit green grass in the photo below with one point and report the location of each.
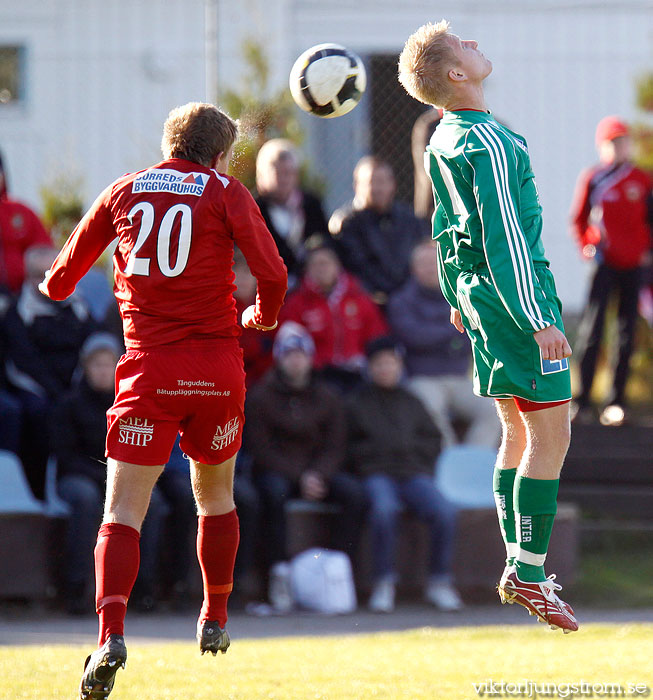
(427, 663)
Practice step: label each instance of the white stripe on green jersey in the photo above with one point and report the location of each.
(487, 212)
(514, 234)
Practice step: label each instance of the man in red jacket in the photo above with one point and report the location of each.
(20, 229)
(340, 316)
(611, 222)
(176, 225)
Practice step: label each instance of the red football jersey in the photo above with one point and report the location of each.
(176, 224)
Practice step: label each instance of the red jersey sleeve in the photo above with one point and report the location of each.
(251, 235)
(84, 246)
(580, 207)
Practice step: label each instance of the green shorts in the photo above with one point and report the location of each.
(507, 360)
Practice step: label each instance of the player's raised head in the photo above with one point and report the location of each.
(425, 62)
(198, 132)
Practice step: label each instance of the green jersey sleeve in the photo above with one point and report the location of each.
(447, 273)
(496, 183)
(447, 277)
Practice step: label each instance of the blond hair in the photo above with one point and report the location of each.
(425, 62)
(198, 132)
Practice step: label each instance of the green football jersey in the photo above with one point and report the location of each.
(487, 213)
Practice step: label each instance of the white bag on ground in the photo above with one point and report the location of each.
(322, 581)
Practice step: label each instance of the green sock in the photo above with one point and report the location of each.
(503, 484)
(535, 503)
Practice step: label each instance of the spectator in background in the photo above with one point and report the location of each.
(25, 389)
(437, 358)
(79, 428)
(296, 437)
(375, 234)
(94, 288)
(57, 329)
(393, 445)
(291, 214)
(611, 221)
(10, 406)
(20, 228)
(56, 332)
(256, 346)
(337, 312)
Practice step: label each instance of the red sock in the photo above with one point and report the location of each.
(217, 543)
(117, 557)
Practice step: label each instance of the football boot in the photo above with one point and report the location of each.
(100, 669)
(539, 598)
(212, 637)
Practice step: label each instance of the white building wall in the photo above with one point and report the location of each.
(103, 74)
(101, 78)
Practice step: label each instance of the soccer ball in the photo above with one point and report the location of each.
(328, 80)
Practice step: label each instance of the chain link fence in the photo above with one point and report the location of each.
(381, 125)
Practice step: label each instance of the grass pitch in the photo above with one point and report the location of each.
(431, 663)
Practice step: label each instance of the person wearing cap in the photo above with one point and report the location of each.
(296, 437)
(20, 229)
(78, 433)
(611, 219)
(392, 446)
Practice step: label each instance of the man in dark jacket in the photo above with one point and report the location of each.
(57, 329)
(375, 234)
(296, 436)
(437, 357)
(79, 429)
(291, 213)
(26, 388)
(393, 445)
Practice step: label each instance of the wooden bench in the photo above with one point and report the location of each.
(479, 552)
(608, 472)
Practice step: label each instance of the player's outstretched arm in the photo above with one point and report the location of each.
(257, 245)
(83, 247)
(553, 343)
(493, 166)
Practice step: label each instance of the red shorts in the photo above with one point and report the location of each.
(196, 388)
(526, 406)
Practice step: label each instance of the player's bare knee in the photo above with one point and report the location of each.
(550, 440)
(213, 486)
